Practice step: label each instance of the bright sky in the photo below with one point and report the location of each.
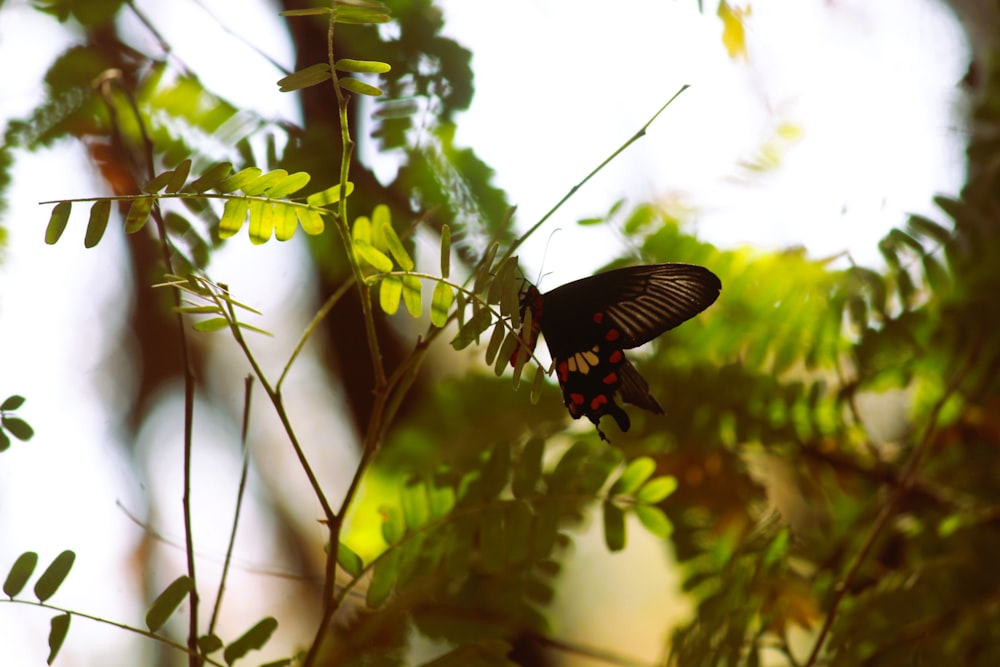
(870, 85)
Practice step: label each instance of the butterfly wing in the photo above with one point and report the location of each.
(589, 323)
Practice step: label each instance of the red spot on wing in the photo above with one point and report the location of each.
(611, 378)
(598, 401)
(577, 399)
(563, 369)
(612, 335)
(616, 357)
(598, 318)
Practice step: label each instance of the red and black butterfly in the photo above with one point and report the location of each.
(590, 322)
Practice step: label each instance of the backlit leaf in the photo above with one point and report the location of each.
(167, 602)
(614, 526)
(362, 66)
(57, 222)
(99, 214)
(138, 214)
(359, 87)
(389, 294)
(396, 247)
(654, 519)
(349, 560)
(377, 259)
(441, 302)
(636, 472)
(656, 489)
(233, 215)
(310, 76)
(412, 295)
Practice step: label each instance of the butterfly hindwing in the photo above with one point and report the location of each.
(589, 323)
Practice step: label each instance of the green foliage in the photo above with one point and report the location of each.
(15, 426)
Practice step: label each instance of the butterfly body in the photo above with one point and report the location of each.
(588, 323)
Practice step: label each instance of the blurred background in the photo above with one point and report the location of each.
(810, 129)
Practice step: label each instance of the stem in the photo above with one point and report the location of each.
(572, 191)
(906, 482)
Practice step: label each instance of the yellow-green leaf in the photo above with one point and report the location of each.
(233, 215)
(362, 66)
(381, 216)
(158, 182)
(304, 78)
(373, 256)
(99, 214)
(396, 247)
(212, 324)
(312, 11)
(445, 250)
(636, 473)
(360, 87)
(654, 520)
(329, 196)
(291, 184)
(361, 232)
(138, 214)
(57, 222)
(412, 295)
(211, 177)
(311, 221)
(239, 179)
(264, 182)
(656, 489)
(441, 304)
(285, 221)
(261, 222)
(389, 294)
(178, 176)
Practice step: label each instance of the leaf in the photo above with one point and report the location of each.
(445, 250)
(18, 428)
(357, 14)
(636, 472)
(289, 185)
(654, 519)
(58, 629)
(99, 214)
(528, 470)
(496, 472)
(383, 578)
(158, 182)
(396, 247)
(211, 177)
(614, 526)
(233, 215)
(262, 184)
(507, 350)
(656, 489)
(209, 643)
(310, 220)
(389, 294)
(252, 639)
(54, 575)
(57, 222)
(138, 214)
(441, 302)
(496, 340)
(211, 324)
(167, 602)
(414, 503)
(393, 525)
(413, 295)
(374, 257)
(4, 441)
(239, 179)
(284, 222)
(440, 500)
(261, 227)
(470, 333)
(312, 11)
(178, 176)
(20, 572)
(359, 87)
(310, 76)
(537, 385)
(12, 402)
(362, 66)
(329, 196)
(350, 560)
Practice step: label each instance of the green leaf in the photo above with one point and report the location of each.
(376, 258)
(178, 176)
(440, 500)
(284, 222)
(239, 179)
(357, 14)
(158, 182)
(310, 76)
(310, 220)
(12, 402)
(349, 560)
(926, 227)
(18, 428)
(636, 472)
(528, 469)
(252, 639)
(167, 602)
(233, 215)
(614, 526)
(537, 385)
(470, 333)
(393, 524)
(4, 441)
(211, 324)
(383, 578)
(412, 295)
(261, 227)
(138, 214)
(396, 247)
(58, 629)
(506, 353)
(389, 294)
(496, 472)
(656, 489)
(289, 185)
(209, 643)
(329, 196)
(567, 471)
(57, 222)
(496, 340)
(359, 87)
(312, 11)
(362, 66)
(263, 183)
(654, 519)
(54, 575)
(445, 250)
(414, 503)
(99, 214)
(441, 302)
(20, 572)
(211, 177)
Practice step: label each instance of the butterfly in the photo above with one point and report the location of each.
(589, 323)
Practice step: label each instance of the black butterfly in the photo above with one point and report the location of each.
(588, 323)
